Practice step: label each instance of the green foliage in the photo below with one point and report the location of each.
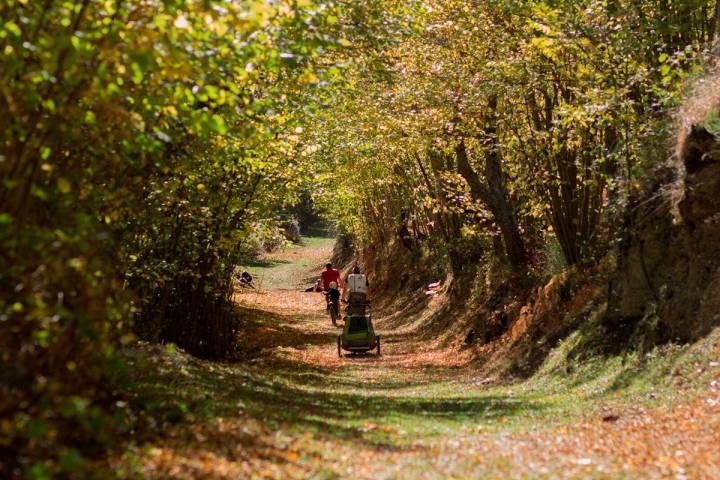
(144, 146)
(148, 147)
(571, 96)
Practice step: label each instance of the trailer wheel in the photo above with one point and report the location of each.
(339, 342)
(378, 345)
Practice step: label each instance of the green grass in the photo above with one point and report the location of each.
(369, 405)
(292, 268)
(338, 402)
(583, 385)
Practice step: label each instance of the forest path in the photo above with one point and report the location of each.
(293, 409)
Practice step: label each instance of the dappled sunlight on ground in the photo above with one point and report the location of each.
(290, 408)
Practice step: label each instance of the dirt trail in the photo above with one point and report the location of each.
(293, 409)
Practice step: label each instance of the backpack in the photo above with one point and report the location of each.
(357, 283)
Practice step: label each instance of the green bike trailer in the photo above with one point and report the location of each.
(358, 335)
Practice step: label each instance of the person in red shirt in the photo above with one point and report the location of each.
(329, 275)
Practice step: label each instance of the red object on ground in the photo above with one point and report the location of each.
(328, 276)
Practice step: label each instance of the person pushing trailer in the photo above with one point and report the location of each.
(356, 287)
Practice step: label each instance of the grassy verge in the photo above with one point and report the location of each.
(294, 267)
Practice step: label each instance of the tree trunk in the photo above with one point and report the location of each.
(494, 196)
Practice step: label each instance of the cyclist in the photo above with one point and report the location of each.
(328, 276)
(356, 285)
